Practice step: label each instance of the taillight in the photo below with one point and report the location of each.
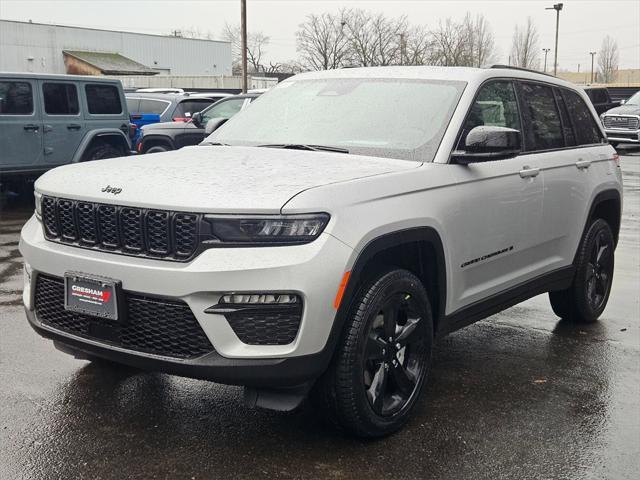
(180, 119)
(139, 147)
(616, 159)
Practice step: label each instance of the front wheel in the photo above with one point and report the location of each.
(586, 298)
(382, 360)
(102, 151)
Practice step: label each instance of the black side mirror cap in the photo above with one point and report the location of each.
(196, 118)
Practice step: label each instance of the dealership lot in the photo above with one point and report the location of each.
(520, 395)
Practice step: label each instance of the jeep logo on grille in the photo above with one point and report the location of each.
(110, 189)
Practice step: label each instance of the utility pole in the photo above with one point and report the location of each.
(593, 54)
(243, 42)
(557, 7)
(545, 50)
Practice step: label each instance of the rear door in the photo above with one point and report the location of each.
(63, 123)
(499, 207)
(20, 124)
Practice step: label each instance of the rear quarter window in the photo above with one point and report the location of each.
(152, 107)
(103, 99)
(16, 98)
(586, 129)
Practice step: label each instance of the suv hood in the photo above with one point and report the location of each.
(164, 126)
(211, 179)
(625, 110)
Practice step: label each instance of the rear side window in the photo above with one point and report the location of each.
(587, 131)
(543, 128)
(152, 107)
(103, 99)
(60, 99)
(133, 104)
(187, 108)
(495, 105)
(16, 98)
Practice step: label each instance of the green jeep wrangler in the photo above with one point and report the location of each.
(52, 120)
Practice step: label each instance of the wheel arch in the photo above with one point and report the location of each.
(608, 206)
(111, 136)
(149, 141)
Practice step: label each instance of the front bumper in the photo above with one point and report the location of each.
(623, 136)
(313, 271)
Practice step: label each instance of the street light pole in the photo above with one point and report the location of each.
(557, 7)
(243, 42)
(593, 54)
(545, 50)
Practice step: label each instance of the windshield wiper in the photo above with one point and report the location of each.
(302, 146)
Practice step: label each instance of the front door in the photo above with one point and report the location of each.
(499, 208)
(63, 125)
(20, 125)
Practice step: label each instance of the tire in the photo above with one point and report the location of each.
(371, 386)
(157, 149)
(102, 151)
(586, 298)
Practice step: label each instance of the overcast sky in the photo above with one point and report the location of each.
(583, 23)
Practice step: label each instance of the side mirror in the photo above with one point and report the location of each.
(213, 125)
(623, 101)
(487, 143)
(196, 118)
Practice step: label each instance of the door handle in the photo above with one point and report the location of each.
(583, 164)
(74, 126)
(527, 172)
(31, 127)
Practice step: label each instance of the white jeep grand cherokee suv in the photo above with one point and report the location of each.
(322, 239)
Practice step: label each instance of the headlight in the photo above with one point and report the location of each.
(270, 229)
(38, 202)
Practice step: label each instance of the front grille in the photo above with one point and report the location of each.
(266, 326)
(127, 230)
(621, 122)
(152, 325)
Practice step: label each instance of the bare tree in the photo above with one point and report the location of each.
(374, 40)
(525, 49)
(418, 47)
(608, 60)
(451, 44)
(481, 41)
(256, 43)
(322, 42)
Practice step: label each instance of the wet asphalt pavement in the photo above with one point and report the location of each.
(520, 395)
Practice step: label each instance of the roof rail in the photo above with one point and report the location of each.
(511, 67)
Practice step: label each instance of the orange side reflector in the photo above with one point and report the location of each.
(341, 289)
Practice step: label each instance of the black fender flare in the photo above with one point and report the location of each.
(163, 138)
(86, 142)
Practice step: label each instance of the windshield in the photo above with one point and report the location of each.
(635, 99)
(395, 118)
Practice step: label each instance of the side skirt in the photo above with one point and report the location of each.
(557, 280)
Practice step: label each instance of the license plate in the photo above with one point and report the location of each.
(92, 295)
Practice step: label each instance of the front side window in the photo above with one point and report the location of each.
(384, 117)
(226, 109)
(16, 98)
(495, 105)
(543, 127)
(60, 99)
(587, 131)
(103, 99)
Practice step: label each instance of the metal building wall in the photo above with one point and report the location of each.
(34, 47)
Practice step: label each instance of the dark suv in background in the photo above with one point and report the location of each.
(51, 120)
(162, 137)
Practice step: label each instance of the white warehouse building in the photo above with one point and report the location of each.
(43, 48)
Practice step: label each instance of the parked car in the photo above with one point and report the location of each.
(51, 120)
(600, 98)
(322, 239)
(162, 137)
(622, 124)
(148, 108)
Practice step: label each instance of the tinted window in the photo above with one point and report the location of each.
(495, 105)
(226, 109)
(187, 108)
(567, 127)
(152, 107)
(597, 95)
(16, 98)
(543, 130)
(103, 99)
(587, 131)
(60, 99)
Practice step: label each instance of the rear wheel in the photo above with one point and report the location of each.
(381, 363)
(158, 149)
(586, 298)
(102, 151)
